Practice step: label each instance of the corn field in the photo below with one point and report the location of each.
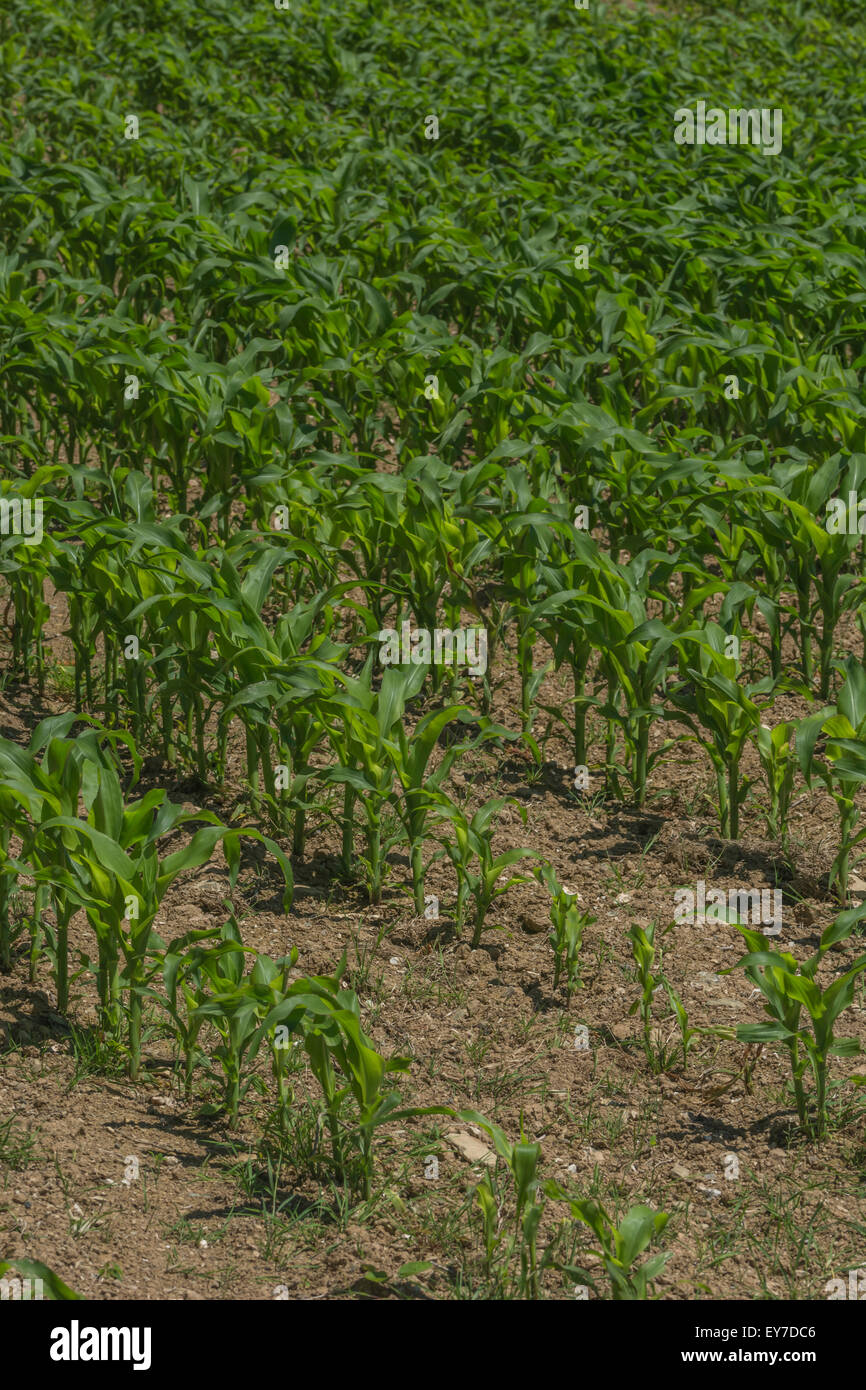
(432, 651)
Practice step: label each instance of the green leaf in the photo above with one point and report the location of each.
(53, 1286)
(763, 1032)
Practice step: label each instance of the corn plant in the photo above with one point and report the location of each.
(410, 756)
(20, 806)
(37, 790)
(206, 984)
(844, 730)
(680, 1014)
(522, 1161)
(779, 763)
(234, 1004)
(620, 1246)
(117, 874)
(271, 980)
(360, 724)
(710, 697)
(336, 1037)
(182, 969)
(327, 1020)
(569, 924)
(479, 871)
(636, 663)
(820, 560)
(646, 953)
(789, 988)
(526, 540)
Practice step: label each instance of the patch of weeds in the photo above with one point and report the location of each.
(16, 1146)
(95, 1055)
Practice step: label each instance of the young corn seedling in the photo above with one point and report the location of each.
(620, 1246)
(574, 622)
(472, 845)
(362, 731)
(418, 785)
(778, 761)
(272, 982)
(647, 955)
(845, 768)
(526, 538)
(522, 1160)
(236, 1008)
(682, 1018)
(644, 949)
(183, 971)
(710, 697)
(20, 805)
(280, 678)
(189, 966)
(36, 793)
(117, 875)
(346, 1065)
(366, 1072)
(569, 924)
(637, 663)
(822, 561)
(789, 988)
(392, 757)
